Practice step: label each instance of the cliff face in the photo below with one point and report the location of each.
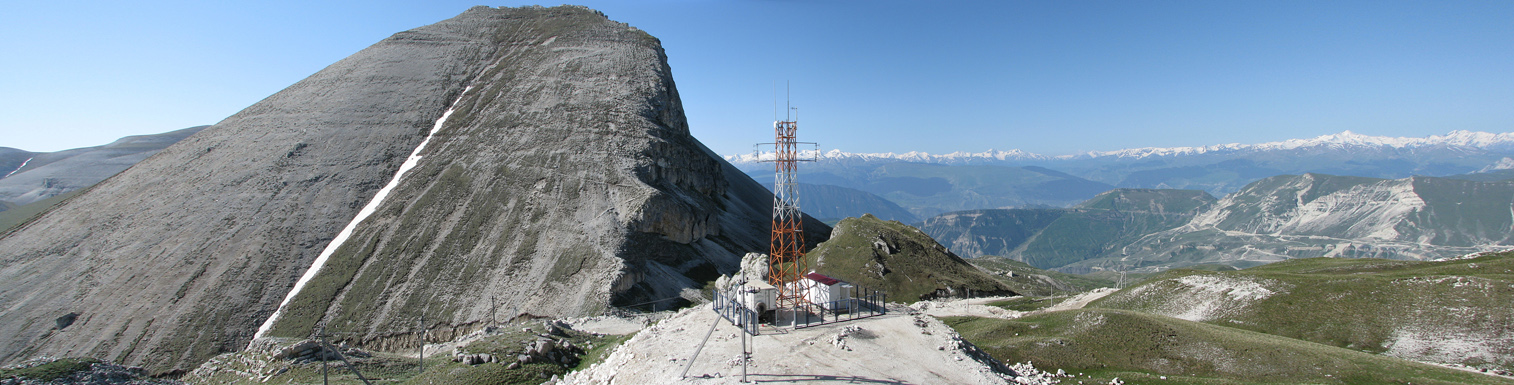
(560, 180)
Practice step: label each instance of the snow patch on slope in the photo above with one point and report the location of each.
(29, 160)
(1502, 164)
(373, 204)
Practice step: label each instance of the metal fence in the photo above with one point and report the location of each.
(867, 303)
(728, 307)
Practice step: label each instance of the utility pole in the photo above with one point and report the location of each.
(420, 360)
(324, 376)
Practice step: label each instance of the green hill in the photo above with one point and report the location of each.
(1449, 312)
(1049, 238)
(1102, 344)
(899, 260)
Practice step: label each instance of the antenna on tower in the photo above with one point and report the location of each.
(786, 265)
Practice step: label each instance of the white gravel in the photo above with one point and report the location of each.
(898, 347)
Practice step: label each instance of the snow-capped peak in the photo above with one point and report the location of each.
(1342, 140)
(1502, 164)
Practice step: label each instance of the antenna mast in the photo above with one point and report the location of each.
(786, 246)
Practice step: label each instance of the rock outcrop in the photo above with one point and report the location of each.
(562, 181)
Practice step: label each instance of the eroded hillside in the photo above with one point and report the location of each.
(558, 178)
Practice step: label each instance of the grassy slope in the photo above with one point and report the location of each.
(1028, 280)
(18, 215)
(1101, 225)
(1141, 348)
(1452, 311)
(51, 371)
(991, 231)
(917, 266)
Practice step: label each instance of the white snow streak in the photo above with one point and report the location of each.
(23, 165)
(415, 158)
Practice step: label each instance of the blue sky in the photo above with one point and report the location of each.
(1052, 77)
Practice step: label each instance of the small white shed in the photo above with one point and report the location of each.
(828, 292)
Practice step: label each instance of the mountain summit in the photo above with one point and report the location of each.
(514, 162)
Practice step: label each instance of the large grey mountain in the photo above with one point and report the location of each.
(27, 177)
(560, 180)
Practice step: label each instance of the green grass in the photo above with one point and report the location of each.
(62, 368)
(1359, 304)
(602, 348)
(1101, 344)
(1150, 200)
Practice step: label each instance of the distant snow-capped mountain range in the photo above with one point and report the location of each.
(1345, 140)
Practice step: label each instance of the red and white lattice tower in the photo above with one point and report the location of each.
(786, 248)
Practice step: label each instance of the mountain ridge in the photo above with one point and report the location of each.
(1344, 139)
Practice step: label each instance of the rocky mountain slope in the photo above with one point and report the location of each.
(1449, 312)
(29, 177)
(1048, 238)
(1312, 215)
(1277, 218)
(525, 162)
(900, 260)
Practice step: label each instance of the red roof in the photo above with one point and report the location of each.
(817, 277)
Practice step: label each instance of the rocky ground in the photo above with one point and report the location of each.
(49, 371)
(904, 346)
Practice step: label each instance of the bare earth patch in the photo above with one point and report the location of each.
(901, 347)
